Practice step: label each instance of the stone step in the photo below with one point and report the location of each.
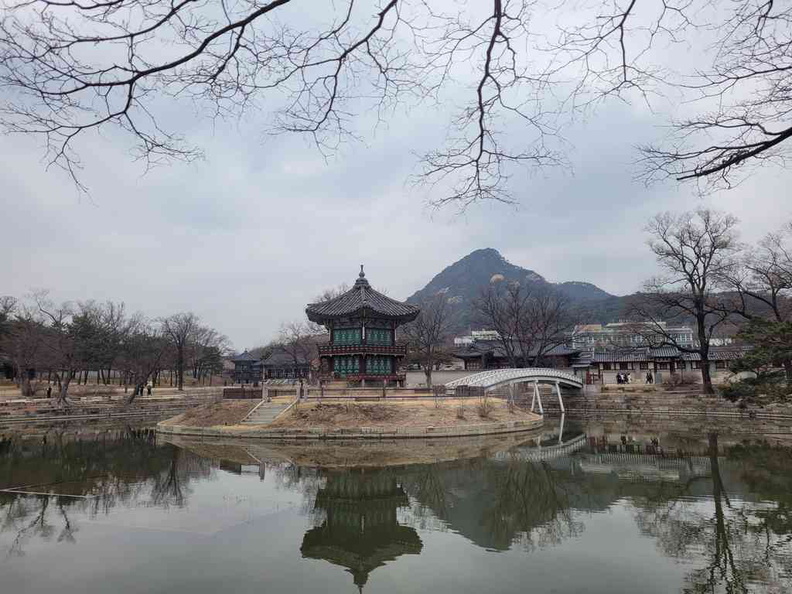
(266, 413)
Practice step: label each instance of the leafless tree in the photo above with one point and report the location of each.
(63, 346)
(22, 341)
(530, 319)
(299, 341)
(329, 294)
(206, 352)
(698, 253)
(428, 335)
(502, 307)
(181, 329)
(550, 321)
(8, 306)
(69, 68)
(762, 281)
(141, 356)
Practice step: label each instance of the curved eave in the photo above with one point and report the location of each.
(321, 318)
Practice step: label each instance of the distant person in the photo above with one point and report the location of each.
(148, 390)
(629, 378)
(49, 391)
(649, 378)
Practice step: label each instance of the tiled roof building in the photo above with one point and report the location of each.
(362, 324)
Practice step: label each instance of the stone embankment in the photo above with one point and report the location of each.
(676, 403)
(17, 412)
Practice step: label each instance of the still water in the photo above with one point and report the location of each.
(590, 509)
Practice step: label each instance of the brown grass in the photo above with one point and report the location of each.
(225, 412)
(423, 413)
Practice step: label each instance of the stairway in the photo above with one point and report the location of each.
(266, 412)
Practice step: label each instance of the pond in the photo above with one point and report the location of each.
(587, 508)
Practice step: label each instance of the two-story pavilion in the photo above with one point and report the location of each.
(362, 324)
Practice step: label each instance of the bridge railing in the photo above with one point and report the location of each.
(494, 377)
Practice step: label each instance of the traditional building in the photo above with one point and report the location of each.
(247, 369)
(361, 529)
(490, 354)
(661, 362)
(362, 325)
(287, 363)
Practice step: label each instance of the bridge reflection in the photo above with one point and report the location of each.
(721, 505)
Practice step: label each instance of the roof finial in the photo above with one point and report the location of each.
(362, 274)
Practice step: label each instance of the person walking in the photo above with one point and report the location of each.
(148, 390)
(649, 378)
(49, 391)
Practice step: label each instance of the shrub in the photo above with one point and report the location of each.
(675, 380)
(769, 389)
(484, 407)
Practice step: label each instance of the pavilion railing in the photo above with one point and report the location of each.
(352, 349)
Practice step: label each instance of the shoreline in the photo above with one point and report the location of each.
(368, 433)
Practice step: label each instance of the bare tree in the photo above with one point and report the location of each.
(180, 329)
(72, 68)
(208, 348)
(8, 306)
(759, 292)
(329, 294)
(428, 335)
(141, 355)
(697, 251)
(551, 319)
(502, 307)
(23, 341)
(763, 280)
(530, 319)
(63, 344)
(299, 341)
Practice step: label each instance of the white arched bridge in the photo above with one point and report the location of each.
(500, 378)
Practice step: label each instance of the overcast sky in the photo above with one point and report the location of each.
(248, 236)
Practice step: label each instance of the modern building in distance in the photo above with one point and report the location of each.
(362, 324)
(476, 335)
(625, 334)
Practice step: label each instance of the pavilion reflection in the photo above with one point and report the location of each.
(360, 530)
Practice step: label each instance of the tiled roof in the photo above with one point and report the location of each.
(282, 358)
(361, 298)
(620, 356)
(649, 354)
(495, 349)
(244, 357)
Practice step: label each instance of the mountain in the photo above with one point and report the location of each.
(464, 280)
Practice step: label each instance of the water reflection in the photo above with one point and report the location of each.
(359, 529)
(44, 481)
(718, 507)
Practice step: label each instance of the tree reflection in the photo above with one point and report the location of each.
(531, 506)
(742, 544)
(56, 476)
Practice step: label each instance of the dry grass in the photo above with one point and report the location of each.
(225, 412)
(423, 413)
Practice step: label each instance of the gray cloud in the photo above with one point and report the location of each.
(246, 237)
